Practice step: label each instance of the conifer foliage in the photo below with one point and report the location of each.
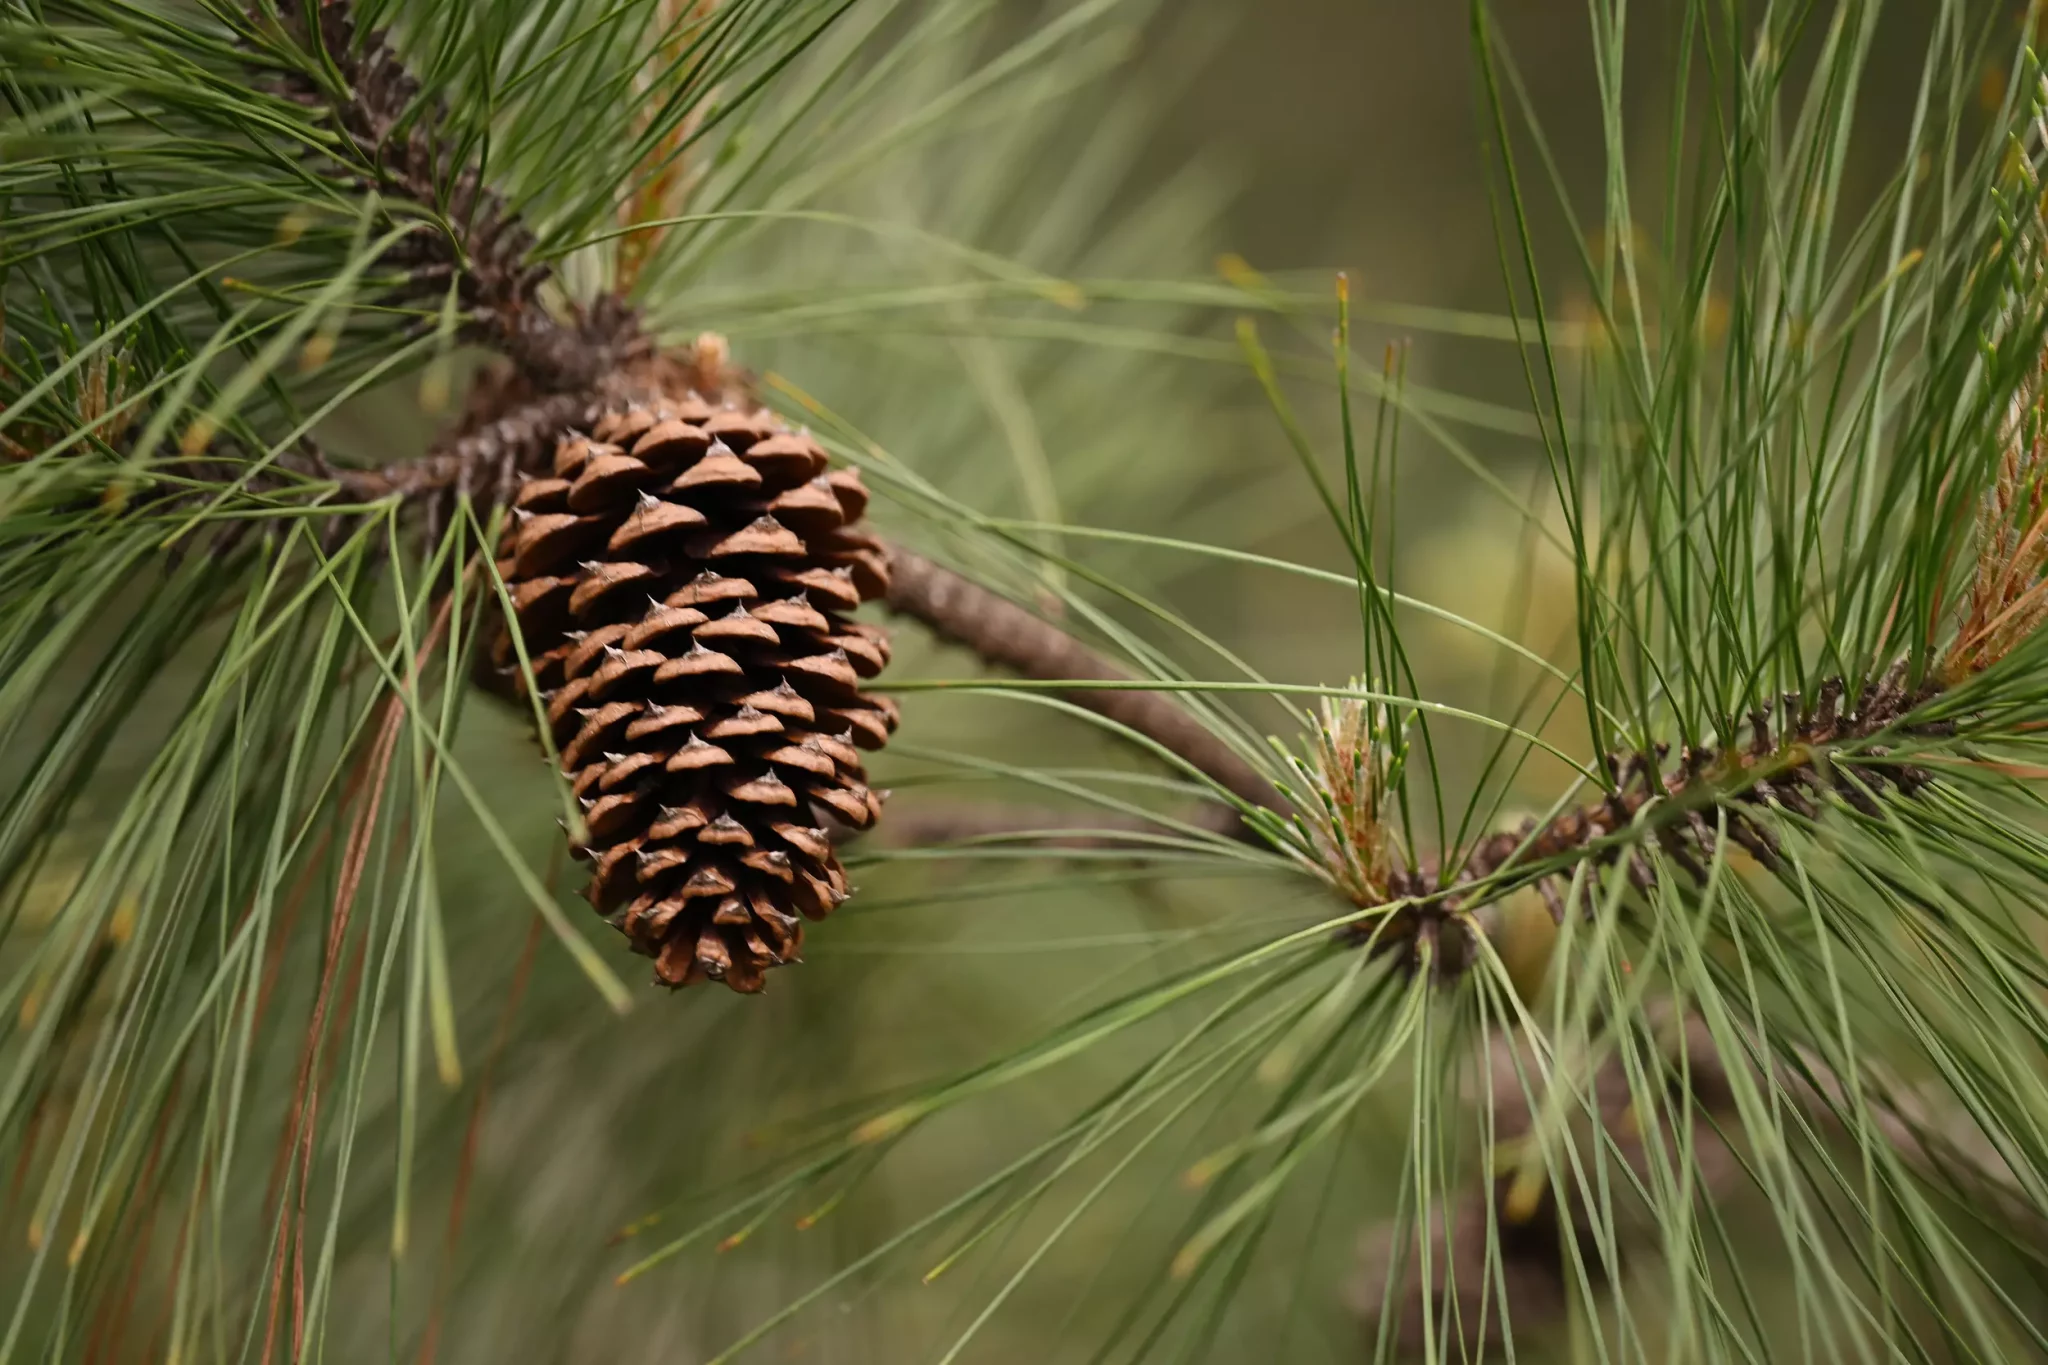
(1788, 898)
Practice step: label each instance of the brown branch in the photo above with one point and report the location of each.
(300, 1120)
(1784, 759)
(1784, 763)
(482, 459)
(1007, 635)
(405, 151)
(300, 1127)
(1030, 827)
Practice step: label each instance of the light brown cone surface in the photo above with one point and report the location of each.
(683, 580)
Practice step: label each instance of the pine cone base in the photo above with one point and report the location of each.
(683, 580)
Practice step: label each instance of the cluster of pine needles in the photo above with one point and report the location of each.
(302, 1035)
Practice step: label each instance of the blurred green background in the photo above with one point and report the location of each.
(1300, 136)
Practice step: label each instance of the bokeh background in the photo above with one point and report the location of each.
(1240, 143)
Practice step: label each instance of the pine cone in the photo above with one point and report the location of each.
(682, 584)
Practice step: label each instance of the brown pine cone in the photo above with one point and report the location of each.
(682, 583)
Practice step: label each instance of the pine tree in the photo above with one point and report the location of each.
(1724, 1048)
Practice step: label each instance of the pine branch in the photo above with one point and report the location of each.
(482, 459)
(1032, 827)
(1005, 634)
(1786, 763)
(405, 152)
